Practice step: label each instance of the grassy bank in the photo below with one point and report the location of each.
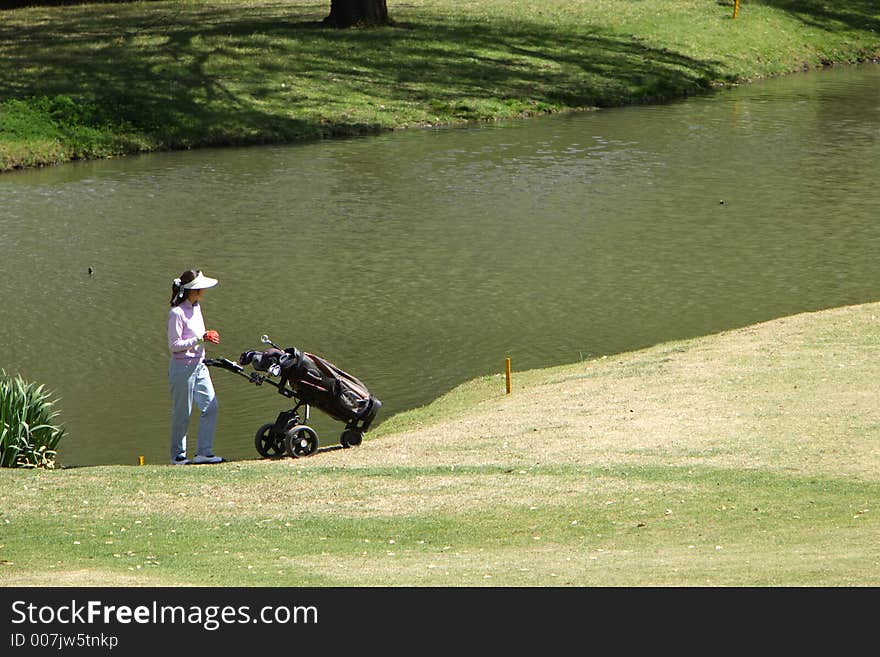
(96, 80)
(745, 458)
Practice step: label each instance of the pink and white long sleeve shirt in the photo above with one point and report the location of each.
(185, 330)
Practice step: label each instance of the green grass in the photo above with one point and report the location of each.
(746, 458)
(97, 80)
(663, 526)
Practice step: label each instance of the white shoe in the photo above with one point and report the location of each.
(207, 458)
(180, 459)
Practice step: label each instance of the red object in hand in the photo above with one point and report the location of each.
(212, 336)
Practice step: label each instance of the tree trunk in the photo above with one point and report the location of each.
(346, 13)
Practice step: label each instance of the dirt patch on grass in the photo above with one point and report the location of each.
(282, 494)
(82, 577)
(687, 564)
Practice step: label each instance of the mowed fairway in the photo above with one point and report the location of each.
(745, 458)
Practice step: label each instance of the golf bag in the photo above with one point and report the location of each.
(317, 382)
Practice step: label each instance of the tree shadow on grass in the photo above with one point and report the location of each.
(861, 15)
(854, 14)
(191, 74)
(19, 4)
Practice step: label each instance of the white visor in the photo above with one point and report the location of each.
(200, 282)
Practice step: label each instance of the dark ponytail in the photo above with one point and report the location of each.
(178, 292)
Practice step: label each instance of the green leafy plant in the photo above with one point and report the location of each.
(28, 432)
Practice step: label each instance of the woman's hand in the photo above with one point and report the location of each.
(211, 336)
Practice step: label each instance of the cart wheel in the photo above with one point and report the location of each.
(351, 438)
(268, 445)
(300, 441)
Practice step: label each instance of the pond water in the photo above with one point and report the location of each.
(420, 259)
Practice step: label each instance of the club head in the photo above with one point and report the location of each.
(265, 339)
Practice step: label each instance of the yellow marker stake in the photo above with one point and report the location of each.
(735, 8)
(507, 373)
(140, 460)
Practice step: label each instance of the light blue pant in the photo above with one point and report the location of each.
(191, 383)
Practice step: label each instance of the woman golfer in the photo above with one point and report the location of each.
(188, 375)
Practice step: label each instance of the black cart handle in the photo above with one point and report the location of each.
(224, 363)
